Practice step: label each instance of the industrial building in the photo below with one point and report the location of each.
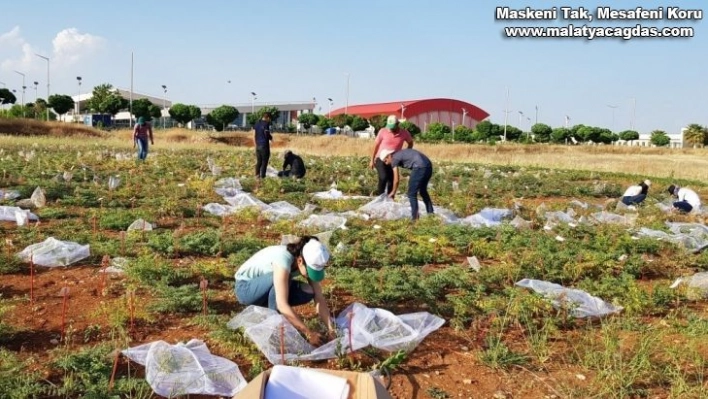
(422, 112)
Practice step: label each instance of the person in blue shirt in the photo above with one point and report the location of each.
(267, 279)
(421, 172)
(262, 139)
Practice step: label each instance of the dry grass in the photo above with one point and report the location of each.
(30, 127)
(649, 162)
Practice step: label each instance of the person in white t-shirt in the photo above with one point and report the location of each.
(636, 194)
(687, 199)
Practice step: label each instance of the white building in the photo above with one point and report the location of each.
(645, 140)
(289, 111)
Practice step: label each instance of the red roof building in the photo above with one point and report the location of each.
(422, 112)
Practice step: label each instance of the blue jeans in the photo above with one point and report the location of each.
(418, 183)
(683, 206)
(633, 199)
(142, 148)
(261, 292)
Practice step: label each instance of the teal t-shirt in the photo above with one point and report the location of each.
(264, 262)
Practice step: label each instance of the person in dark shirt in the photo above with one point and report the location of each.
(296, 164)
(421, 172)
(262, 138)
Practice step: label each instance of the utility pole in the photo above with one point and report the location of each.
(506, 112)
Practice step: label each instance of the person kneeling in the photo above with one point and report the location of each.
(296, 164)
(636, 194)
(421, 172)
(687, 199)
(267, 279)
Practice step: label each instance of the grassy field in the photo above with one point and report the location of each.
(499, 340)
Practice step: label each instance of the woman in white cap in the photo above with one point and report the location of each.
(636, 194)
(267, 279)
(391, 137)
(687, 199)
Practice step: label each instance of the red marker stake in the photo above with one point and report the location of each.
(32, 280)
(282, 343)
(115, 368)
(63, 312)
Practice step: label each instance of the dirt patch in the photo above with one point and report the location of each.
(246, 140)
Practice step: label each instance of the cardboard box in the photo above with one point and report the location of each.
(361, 386)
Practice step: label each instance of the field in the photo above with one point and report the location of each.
(499, 341)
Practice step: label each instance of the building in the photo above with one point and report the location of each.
(644, 140)
(422, 112)
(289, 111)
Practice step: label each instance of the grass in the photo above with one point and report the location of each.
(655, 347)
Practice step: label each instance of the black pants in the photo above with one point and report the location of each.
(288, 173)
(262, 158)
(385, 177)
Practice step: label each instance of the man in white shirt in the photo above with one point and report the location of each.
(687, 199)
(636, 194)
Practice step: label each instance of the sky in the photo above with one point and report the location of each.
(391, 50)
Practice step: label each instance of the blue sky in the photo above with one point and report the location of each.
(393, 50)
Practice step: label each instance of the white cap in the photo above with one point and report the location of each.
(316, 256)
(647, 182)
(391, 121)
(384, 153)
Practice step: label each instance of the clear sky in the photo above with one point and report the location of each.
(393, 50)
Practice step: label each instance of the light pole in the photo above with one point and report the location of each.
(23, 91)
(36, 84)
(253, 102)
(314, 105)
(613, 107)
(164, 104)
(46, 59)
(78, 99)
(536, 122)
(520, 115)
(506, 113)
(464, 114)
(346, 107)
(329, 114)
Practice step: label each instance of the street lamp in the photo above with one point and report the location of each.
(314, 105)
(253, 102)
(164, 104)
(613, 107)
(78, 99)
(36, 84)
(329, 114)
(23, 91)
(520, 115)
(46, 59)
(346, 107)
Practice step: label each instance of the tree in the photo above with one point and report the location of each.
(6, 97)
(342, 120)
(378, 122)
(222, 116)
(155, 111)
(541, 132)
(487, 129)
(142, 107)
(695, 135)
(513, 133)
(412, 128)
(308, 120)
(252, 119)
(437, 131)
(629, 135)
(358, 123)
(325, 123)
(113, 104)
(195, 112)
(464, 134)
(560, 135)
(659, 138)
(20, 111)
(181, 113)
(60, 103)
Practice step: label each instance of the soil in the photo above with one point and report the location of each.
(444, 360)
